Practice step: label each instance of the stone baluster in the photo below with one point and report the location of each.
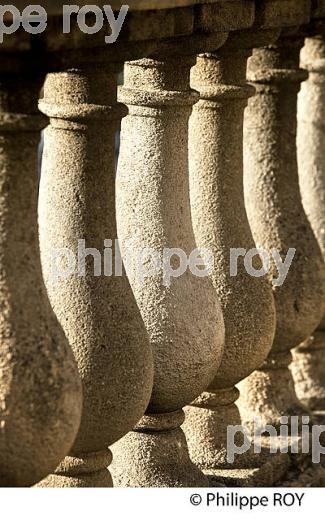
(221, 225)
(182, 314)
(279, 223)
(309, 358)
(88, 289)
(40, 390)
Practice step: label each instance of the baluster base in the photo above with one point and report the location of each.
(269, 395)
(155, 454)
(308, 370)
(84, 471)
(206, 429)
(211, 444)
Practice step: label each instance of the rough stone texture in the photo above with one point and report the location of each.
(227, 15)
(282, 13)
(220, 223)
(193, 27)
(184, 320)
(98, 313)
(278, 221)
(56, 6)
(289, 466)
(155, 454)
(40, 391)
(309, 359)
(268, 470)
(308, 370)
(155, 21)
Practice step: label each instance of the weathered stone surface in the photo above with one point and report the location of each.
(309, 359)
(167, 21)
(40, 391)
(184, 319)
(225, 15)
(97, 312)
(220, 225)
(282, 13)
(270, 469)
(100, 317)
(155, 454)
(308, 369)
(278, 222)
(56, 7)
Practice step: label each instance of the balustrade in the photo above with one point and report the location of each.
(169, 352)
(278, 222)
(40, 391)
(221, 226)
(309, 367)
(97, 310)
(182, 315)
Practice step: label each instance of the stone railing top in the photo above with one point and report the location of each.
(153, 23)
(54, 8)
